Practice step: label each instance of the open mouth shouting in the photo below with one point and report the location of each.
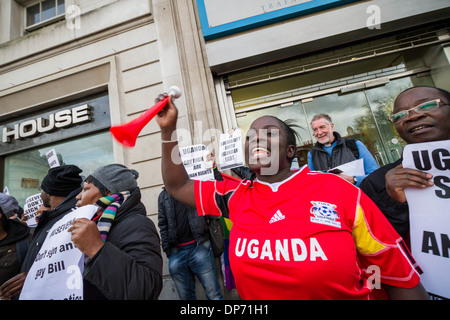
(260, 152)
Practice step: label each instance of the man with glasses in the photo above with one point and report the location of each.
(421, 114)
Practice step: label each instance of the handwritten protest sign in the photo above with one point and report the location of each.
(52, 158)
(429, 211)
(30, 208)
(230, 150)
(56, 273)
(194, 161)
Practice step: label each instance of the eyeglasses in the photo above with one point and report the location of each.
(421, 108)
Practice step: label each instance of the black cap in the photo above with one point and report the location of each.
(61, 181)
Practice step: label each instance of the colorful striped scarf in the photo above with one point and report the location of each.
(111, 205)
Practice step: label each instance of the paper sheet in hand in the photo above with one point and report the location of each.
(429, 214)
(56, 273)
(352, 168)
(30, 208)
(194, 161)
(230, 150)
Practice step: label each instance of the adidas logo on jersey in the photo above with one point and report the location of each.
(277, 217)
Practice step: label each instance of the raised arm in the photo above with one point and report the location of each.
(174, 175)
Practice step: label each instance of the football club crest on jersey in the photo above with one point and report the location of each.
(324, 213)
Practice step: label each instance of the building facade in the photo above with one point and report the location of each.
(71, 69)
(349, 59)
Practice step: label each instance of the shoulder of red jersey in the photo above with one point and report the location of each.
(330, 177)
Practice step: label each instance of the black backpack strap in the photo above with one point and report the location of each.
(351, 144)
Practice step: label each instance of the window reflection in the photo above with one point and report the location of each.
(359, 115)
(24, 171)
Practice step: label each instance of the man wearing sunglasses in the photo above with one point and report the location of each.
(421, 114)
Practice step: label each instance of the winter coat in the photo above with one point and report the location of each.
(13, 249)
(168, 208)
(129, 265)
(341, 154)
(45, 223)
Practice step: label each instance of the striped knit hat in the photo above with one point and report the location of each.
(111, 205)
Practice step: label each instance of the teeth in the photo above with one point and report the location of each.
(417, 128)
(258, 150)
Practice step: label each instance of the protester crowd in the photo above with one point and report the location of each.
(303, 234)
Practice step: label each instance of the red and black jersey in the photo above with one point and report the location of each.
(311, 236)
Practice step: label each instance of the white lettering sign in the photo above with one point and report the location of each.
(30, 208)
(56, 273)
(194, 161)
(52, 158)
(430, 214)
(230, 150)
(32, 127)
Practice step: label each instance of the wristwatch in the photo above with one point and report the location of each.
(355, 180)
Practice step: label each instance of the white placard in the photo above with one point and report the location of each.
(429, 211)
(194, 161)
(52, 158)
(30, 208)
(56, 273)
(230, 150)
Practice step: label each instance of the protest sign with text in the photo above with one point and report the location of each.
(230, 150)
(56, 273)
(429, 211)
(30, 208)
(52, 158)
(194, 161)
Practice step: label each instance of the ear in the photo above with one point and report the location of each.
(290, 151)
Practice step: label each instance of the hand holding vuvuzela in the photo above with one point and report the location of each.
(127, 133)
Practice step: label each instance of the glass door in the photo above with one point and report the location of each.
(362, 115)
(352, 118)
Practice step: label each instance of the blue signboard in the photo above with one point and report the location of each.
(220, 18)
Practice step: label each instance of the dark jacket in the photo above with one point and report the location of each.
(339, 155)
(374, 185)
(168, 208)
(45, 222)
(13, 249)
(129, 265)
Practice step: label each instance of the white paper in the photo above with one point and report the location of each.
(230, 150)
(352, 168)
(56, 273)
(30, 208)
(194, 161)
(52, 158)
(429, 211)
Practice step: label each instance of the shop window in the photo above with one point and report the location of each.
(25, 170)
(43, 12)
(362, 114)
